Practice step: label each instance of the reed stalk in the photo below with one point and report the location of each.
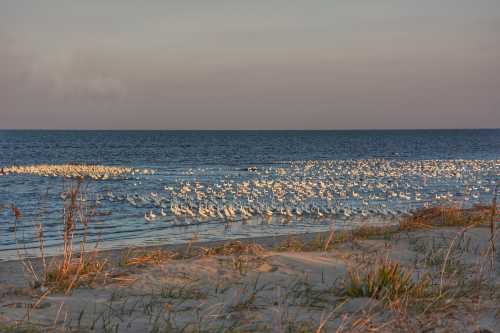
(493, 227)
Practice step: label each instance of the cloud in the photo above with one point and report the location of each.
(91, 88)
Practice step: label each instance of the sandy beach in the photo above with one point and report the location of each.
(419, 277)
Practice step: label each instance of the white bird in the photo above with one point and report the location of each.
(149, 217)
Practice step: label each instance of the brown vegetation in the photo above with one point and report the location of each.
(77, 265)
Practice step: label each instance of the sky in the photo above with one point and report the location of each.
(261, 64)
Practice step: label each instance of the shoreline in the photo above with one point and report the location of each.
(325, 226)
(269, 242)
(378, 226)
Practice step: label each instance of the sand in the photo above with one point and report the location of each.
(275, 291)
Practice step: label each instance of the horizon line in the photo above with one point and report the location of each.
(249, 130)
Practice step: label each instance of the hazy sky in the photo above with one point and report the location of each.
(260, 64)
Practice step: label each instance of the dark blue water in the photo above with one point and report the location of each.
(177, 149)
(208, 156)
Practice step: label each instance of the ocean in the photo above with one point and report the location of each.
(326, 177)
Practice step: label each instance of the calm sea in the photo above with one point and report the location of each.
(207, 156)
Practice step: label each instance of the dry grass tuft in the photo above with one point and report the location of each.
(326, 241)
(234, 248)
(80, 268)
(386, 281)
(76, 266)
(447, 216)
(64, 276)
(144, 258)
(159, 256)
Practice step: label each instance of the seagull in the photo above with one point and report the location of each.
(149, 217)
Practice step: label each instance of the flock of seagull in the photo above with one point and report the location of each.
(296, 190)
(318, 190)
(95, 172)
